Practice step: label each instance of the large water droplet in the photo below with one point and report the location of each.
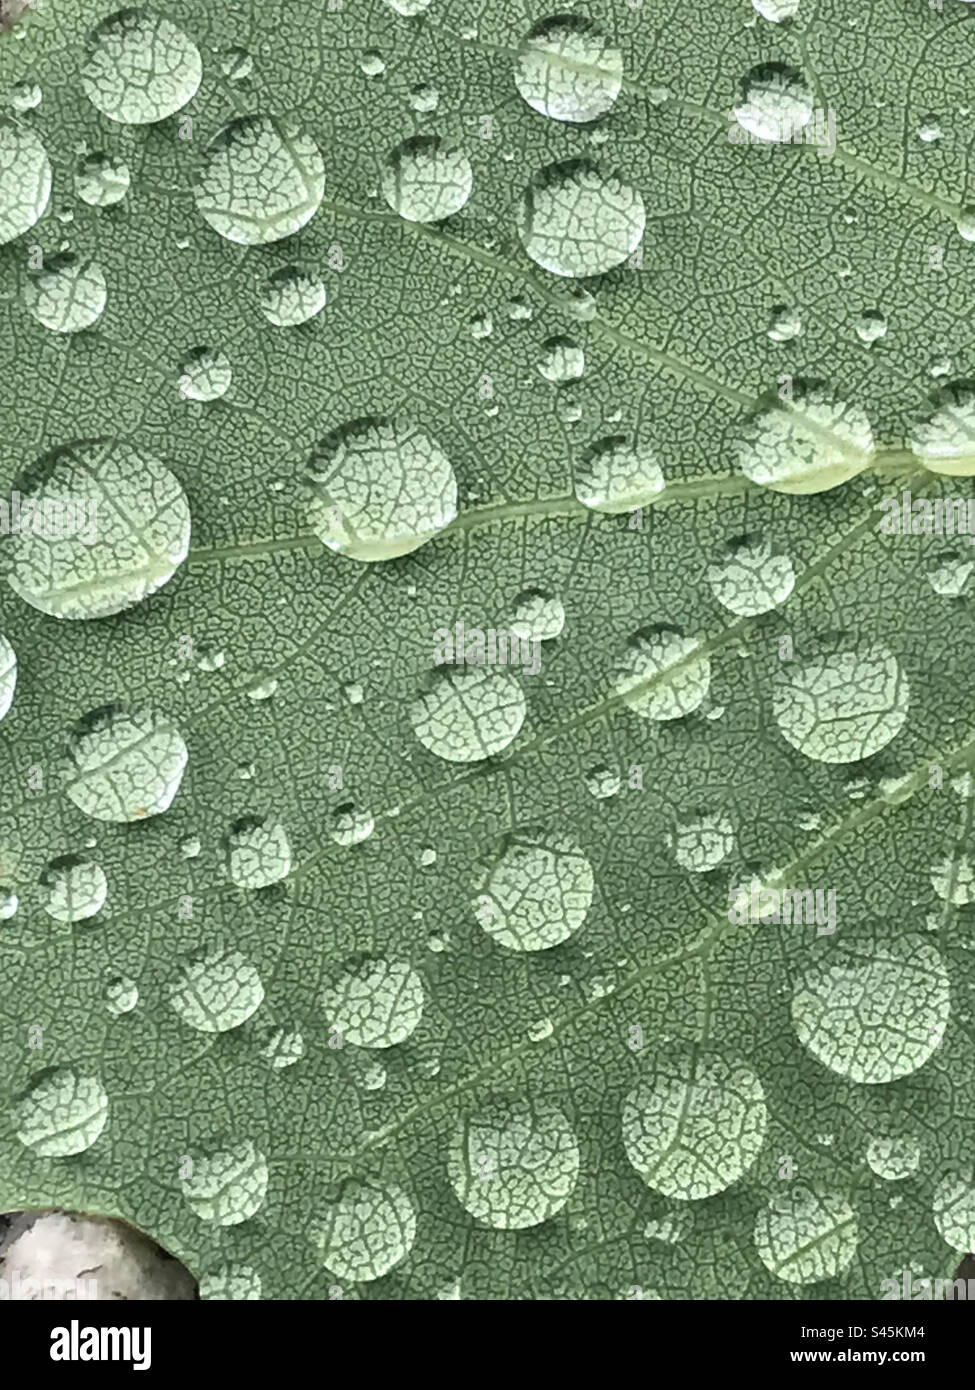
(227, 1186)
(292, 296)
(842, 707)
(804, 1236)
(216, 992)
(514, 1162)
(616, 475)
(67, 295)
(776, 102)
(131, 530)
(426, 179)
(536, 891)
(258, 852)
(468, 712)
(379, 488)
(376, 1003)
(61, 1113)
(661, 674)
(875, 1016)
(260, 180)
(695, 1124)
(806, 442)
(366, 1232)
(576, 220)
(25, 179)
(750, 579)
(127, 763)
(140, 68)
(945, 442)
(101, 180)
(568, 70)
(75, 888)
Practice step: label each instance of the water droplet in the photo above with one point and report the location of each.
(602, 782)
(804, 1236)
(236, 64)
(227, 1186)
(204, 375)
(874, 1016)
(211, 659)
(950, 575)
(929, 130)
(263, 688)
(24, 96)
(424, 98)
(350, 826)
(428, 856)
(217, 991)
(284, 1047)
(127, 764)
(953, 1208)
(121, 995)
(426, 179)
(540, 1030)
(576, 220)
(258, 852)
(537, 614)
(292, 297)
(776, 102)
(9, 903)
(661, 674)
(614, 475)
(368, 1230)
(536, 891)
(379, 488)
(140, 68)
(375, 1003)
(700, 845)
(353, 693)
(672, 1228)
(261, 179)
(8, 676)
(893, 1159)
(750, 579)
(562, 360)
(468, 712)
(966, 224)
(189, 847)
(372, 63)
(842, 707)
(785, 324)
(945, 442)
(513, 1163)
(232, 1282)
(67, 295)
(143, 530)
(568, 70)
(101, 180)
(777, 10)
(61, 1113)
(25, 179)
(76, 888)
(871, 326)
(805, 444)
(408, 8)
(519, 310)
(695, 1124)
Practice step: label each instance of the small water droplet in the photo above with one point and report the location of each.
(204, 374)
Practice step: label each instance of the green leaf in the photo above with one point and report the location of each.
(487, 807)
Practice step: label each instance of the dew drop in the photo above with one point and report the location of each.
(140, 518)
(258, 852)
(567, 69)
(75, 887)
(776, 103)
(950, 575)
(236, 64)
(283, 1049)
(61, 1113)
(953, 1208)
(67, 295)
(804, 1236)
(204, 375)
(805, 444)
(379, 489)
(785, 324)
(537, 615)
(576, 220)
(408, 9)
(695, 1123)
(750, 579)
(126, 764)
(424, 98)
(703, 843)
(25, 179)
(562, 360)
(8, 676)
(842, 707)
(536, 891)
(349, 825)
(602, 782)
(513, 1163)
(24, 96)
(945, 442)
(368, 1230)
(466, 713)
(262, 688)
(426, 179)
(227, 1185)
(375, 1003)
(777, 11)
(121, 995)
(217, 991)
(661, 674)
(871, 326)
(615, 475)
(140, 68)
(9, 903)
(893, 1159)
(101, 181)
(260, 179)
(292, 297)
